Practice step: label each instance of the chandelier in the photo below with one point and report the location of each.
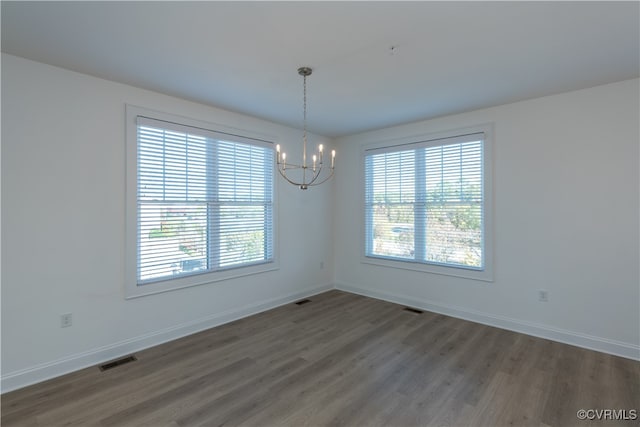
(305, 174)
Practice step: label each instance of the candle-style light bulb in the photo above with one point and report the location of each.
(314, 162)
(284, 160)
(278, 152)
(333, 157)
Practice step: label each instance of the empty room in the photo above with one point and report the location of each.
(359, 213)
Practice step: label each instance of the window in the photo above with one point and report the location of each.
(203, 203)
(426, 205)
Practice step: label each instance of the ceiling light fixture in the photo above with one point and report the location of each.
(307, 175)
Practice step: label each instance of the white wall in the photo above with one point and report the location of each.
(566, 218)
(63, 194)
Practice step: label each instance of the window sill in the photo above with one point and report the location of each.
(134, 291)
(485, 275)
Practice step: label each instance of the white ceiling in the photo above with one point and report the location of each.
(448, 57)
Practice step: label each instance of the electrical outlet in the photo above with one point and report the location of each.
(543, 296)
(66, 320)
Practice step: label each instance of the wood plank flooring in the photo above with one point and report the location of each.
(340, 360)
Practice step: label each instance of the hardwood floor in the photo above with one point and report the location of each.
(340, 359)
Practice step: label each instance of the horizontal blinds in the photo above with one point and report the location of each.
(393, 177)
(205, 201)
(424, 201)
(194, 130)
(244, 172)
(454, 204)
(390, 202)
(172, 166)
(439, 142)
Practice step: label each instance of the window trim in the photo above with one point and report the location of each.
(131, 287)
(486, 274)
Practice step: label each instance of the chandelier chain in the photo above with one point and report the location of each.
(304, 114)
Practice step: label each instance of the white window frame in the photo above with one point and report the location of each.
(485, 274)
(132, 288)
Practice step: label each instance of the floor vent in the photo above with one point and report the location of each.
(413, 310)
(304, 301)
(118, 362)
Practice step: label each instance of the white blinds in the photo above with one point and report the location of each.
(424, 202)
(204, 201)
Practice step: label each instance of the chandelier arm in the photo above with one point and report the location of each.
(292, 166)
(303, 183)
(326, 179)
(315, 176)
(310, 183)
(287, 178)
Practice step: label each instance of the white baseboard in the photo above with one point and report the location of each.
(617, 348)
(45, 371)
